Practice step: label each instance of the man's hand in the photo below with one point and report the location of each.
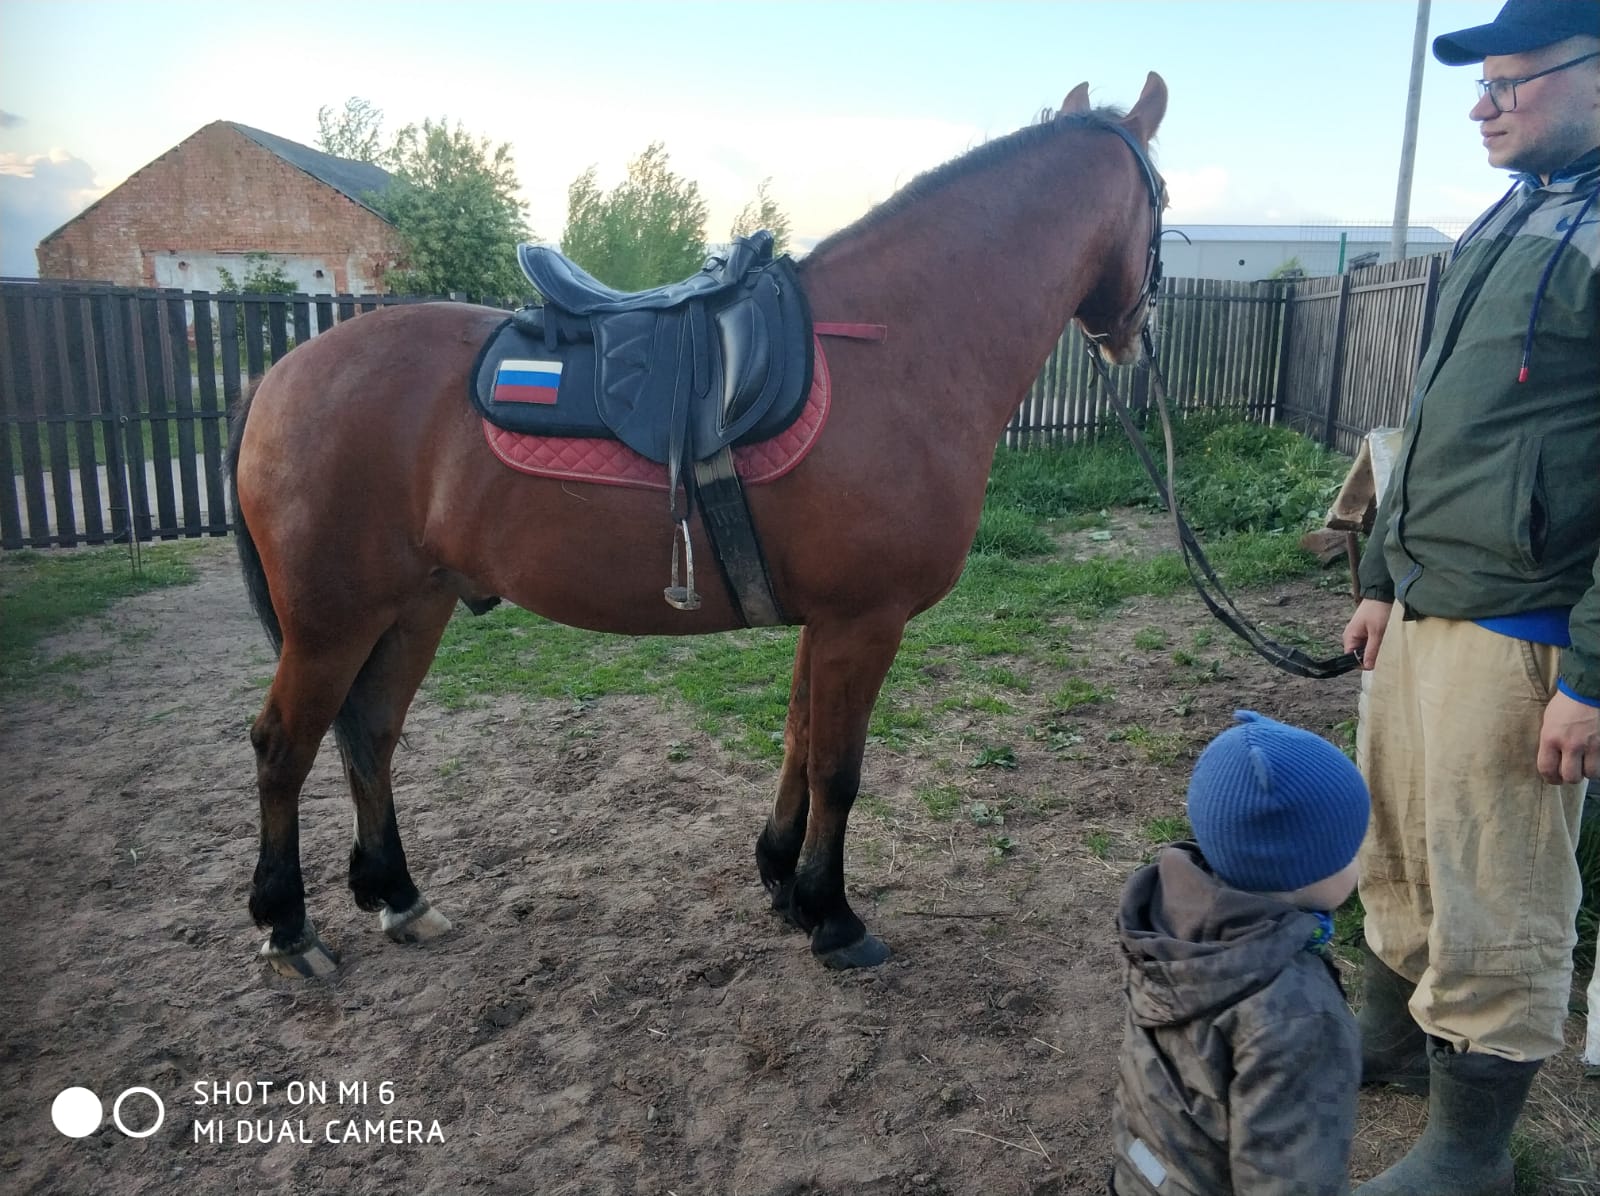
(1364, 632)
(1569, 741)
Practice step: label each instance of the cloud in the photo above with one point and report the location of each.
(38, 194)
(9, 120)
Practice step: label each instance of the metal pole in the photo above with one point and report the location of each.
(1408, 145)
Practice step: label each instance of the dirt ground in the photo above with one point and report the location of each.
(616, 1010)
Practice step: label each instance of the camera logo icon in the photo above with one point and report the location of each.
(78, 1112)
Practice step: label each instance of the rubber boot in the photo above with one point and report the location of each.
(1473, 1101)
(1394, 1050)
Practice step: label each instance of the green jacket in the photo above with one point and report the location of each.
(1493, 507)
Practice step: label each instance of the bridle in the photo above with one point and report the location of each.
(1150, 288)
(1290, 660)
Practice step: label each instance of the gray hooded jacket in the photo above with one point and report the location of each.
(1240, 1057)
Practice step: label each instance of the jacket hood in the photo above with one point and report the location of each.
(1193, 945)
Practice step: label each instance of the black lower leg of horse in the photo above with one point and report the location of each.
(379, 878)
(847, 666)
(778, 846)
(368, 729)
(305, 695)
(277, 892)
(819, 901)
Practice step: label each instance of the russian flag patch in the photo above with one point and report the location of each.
(521, 381)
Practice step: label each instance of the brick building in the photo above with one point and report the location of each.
(225, 192)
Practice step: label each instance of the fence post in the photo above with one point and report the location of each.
(1430, 301)
(1280, 388)
(1336, 374)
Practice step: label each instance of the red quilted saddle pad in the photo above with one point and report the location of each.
(612, 463)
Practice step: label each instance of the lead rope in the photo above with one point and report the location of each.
(1290, 660)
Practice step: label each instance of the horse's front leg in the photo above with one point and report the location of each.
(848, 662)
(778, 847)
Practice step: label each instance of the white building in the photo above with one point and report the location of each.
(1252, 251)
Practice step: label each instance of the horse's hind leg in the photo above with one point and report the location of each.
(306, 694)
(369, 728)
(778, 847)
(847, 665)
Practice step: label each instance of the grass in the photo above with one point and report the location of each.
(1074, 694)
(1149, 639)
(1166, 828)
(1160, 748)
(994, 756)
(43, 593)
(942, 802)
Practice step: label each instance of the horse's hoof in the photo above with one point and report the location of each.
(866, 952)
(416, 925)
(307, 958)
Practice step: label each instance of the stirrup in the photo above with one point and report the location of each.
(682, 597)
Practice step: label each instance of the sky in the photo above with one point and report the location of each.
(1280, 111)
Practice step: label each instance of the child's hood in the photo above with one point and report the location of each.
(1193, 945)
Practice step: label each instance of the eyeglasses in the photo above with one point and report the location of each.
(1502, 93)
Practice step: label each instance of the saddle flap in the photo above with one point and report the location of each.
(639, 392)
(766, 351)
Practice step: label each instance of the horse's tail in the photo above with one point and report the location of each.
(255, 577)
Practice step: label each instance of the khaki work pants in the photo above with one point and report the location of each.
(1469, 872)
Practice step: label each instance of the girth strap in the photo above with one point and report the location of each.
(727, 522)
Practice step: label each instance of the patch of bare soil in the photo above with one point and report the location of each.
(616, 1011)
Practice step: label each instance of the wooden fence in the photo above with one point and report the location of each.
(1352, 346)
(114, 402)
(1219, 346)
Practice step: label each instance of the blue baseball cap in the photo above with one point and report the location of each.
(1521, 25)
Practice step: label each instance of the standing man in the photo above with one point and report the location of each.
(1480, 623)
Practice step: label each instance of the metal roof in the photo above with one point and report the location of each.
(1377, 234)
(357, 180)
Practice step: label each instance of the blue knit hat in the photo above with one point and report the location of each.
(1275, 808)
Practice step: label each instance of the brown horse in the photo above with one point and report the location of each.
(367, 503)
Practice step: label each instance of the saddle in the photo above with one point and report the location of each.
(679, 374)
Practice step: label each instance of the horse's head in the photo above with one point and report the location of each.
(1122, 302)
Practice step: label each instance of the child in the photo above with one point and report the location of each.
(1240, 1058)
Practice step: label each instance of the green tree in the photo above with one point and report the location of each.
(355, 132)
(763, 212)
(649, 230)
(454, 201)
(263, 275)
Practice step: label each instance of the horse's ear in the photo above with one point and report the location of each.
(1146, 116)
(1077, 101)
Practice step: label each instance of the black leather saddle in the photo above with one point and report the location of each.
(675, 373)
(678, 373)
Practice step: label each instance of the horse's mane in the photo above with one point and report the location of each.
(1050, 126)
